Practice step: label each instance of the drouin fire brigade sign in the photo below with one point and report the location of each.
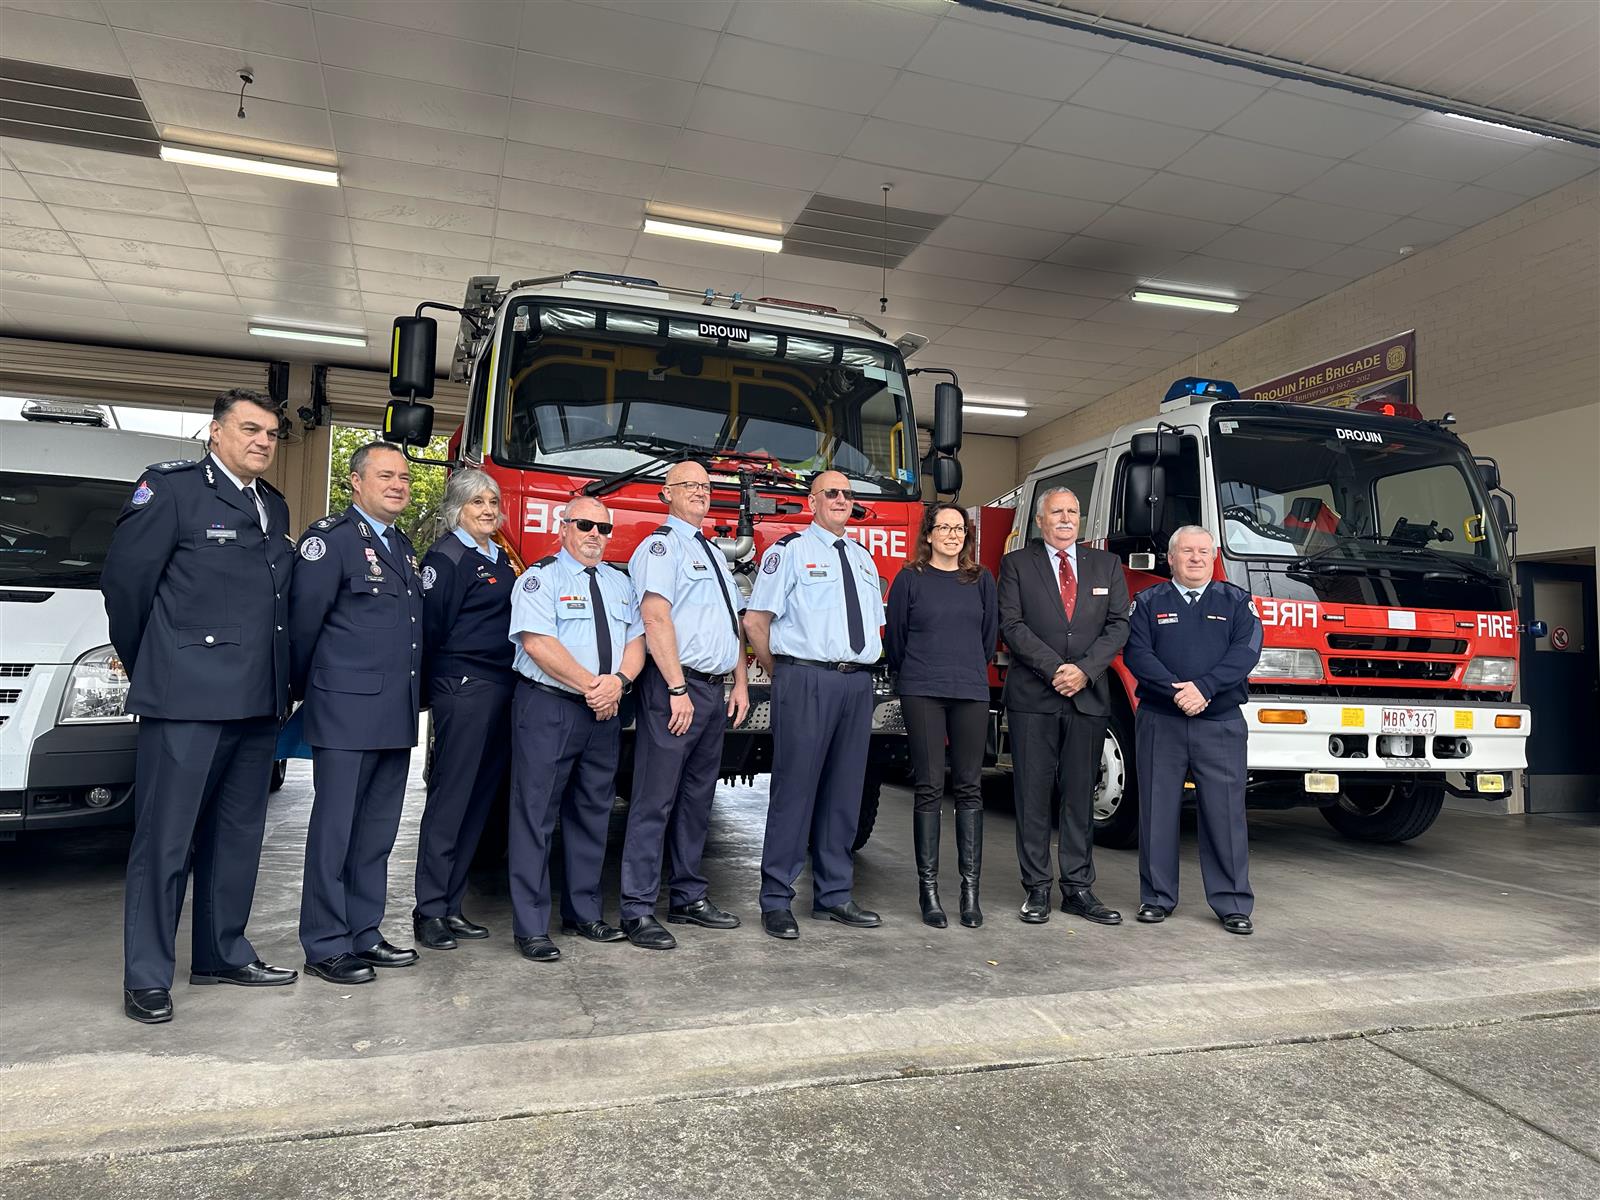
(1386, 371)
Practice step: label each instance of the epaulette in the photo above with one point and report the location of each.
(545, 561)
(660, 529)
(177, 464)
(329, 521)
(786, 539)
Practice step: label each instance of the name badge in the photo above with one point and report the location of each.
(1100, 592)
(222, 535)
(698, 566)
(574, 604)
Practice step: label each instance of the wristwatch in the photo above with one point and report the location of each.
(681, 690)
(627, 684)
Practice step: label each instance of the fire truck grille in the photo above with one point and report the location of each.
(1404, 645)
(1391, 668)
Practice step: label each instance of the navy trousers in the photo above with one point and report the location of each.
(199, 806)
(471, 753)
(354, 818)
(563, 763)
(821, 731)
(1212, 753)
(674, 783)
(1053, 753)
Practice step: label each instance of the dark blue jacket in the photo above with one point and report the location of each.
(466, 603)
(355, 635)
(1214, 643)
(197, 596)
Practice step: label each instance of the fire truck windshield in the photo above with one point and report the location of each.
(1331, 491)
(589, 390)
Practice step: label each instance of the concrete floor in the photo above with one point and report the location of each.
(1407, 1020)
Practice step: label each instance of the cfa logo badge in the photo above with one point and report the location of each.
(429, 578)
(313, 548)
(142, 495)
(658, 548)
(770, 567)
(531, 584)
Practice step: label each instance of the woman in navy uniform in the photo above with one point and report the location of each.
(196, 590)
(466, 607)
(355, 623)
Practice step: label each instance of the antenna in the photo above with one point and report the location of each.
(883, 300)
(245, 80)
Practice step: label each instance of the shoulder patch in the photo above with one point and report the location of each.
(177, 464)
(429, 578)
(658, 547)
(530, 581)
(545, 561)
(142, 495)
(313, 548)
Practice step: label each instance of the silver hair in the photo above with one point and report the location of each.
(463, 486)
(1048, 492)
(1184, 531)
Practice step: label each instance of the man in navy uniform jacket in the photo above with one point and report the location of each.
(1192, 644)
(196, 585)
(355, 621)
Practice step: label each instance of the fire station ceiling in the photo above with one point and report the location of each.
(1039, 171)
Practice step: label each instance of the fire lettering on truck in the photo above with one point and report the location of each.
(1496, 625)
(1288, 614)
(540, 516)
(886, 543)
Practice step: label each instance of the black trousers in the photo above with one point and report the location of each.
(1051, 750)
(200, 806)
(933, 725)
(471, 756)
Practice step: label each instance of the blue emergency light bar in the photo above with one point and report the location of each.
(1193, 387)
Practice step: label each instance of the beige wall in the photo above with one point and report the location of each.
(1552, 465)
(988, 467)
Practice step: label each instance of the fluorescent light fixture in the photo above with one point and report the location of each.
(336, 337)
(185, 156)
(1491, 124)
(992, 410)
(1173, 300)
(705, 233)
(1004, 401)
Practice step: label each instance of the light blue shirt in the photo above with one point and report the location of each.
(467, 540)
(1183, 591)
(679, 569)
(801, 584)
(552, 598)
(378, 527)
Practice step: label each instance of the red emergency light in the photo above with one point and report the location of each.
(1390, 408)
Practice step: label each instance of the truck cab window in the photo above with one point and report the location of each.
(1182, 507)
(1080, 479)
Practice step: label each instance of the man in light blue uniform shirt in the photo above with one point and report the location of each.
(690, 604)
(580, 645)
(813, 621)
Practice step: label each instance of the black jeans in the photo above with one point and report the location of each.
(932, 723)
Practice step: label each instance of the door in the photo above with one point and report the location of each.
(1561, 683)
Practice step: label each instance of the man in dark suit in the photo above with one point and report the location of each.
(1064, 617)
(355, 621)
(196, 585)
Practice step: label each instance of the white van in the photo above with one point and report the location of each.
(66, 746)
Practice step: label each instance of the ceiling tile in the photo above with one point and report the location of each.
(413, 179)
(166, 314)
(524, 257)
(1332, 95)
(1296, 216)
(1250, 164)
(1306, 285)
(917, 312)
(1097, 254)
(1458, 155)
(1352, 262)
(1201, 199)
(254, 292)
(571, 235)
(492, 21)
(162, 277)
(778, 122)
(13, 187)
(277, 270)
(962, 358)
(601, 89)
(417, 144)
(420, 266)
(1410, 231)
(1105, 334)
(254, 26)
(742, 65)
(1124, 224)
(102, 166)
(1034, 210)
(864, 182)
(818, 273)
(878, 35)
(1540, 171)
(978, 339)
(1470, 205)
(919, 148)
(624, 212)
(626, 41)
(83, 45)
(1080, 350)
(990, 268)
(962, 108)
(1106, 285)
(75, 306)
(36, 239)
(1060, 369)
(1112, 137)
(1201, 272)
(297, 249)
(592, 133)
(710, 154)
(1137, 89)
(406, 237)
(412, 54)
(1176, 60)
(1269, 249)
(391, 99)
(706, 14)
(410, 210)
(113, 197)
(28, 283)
(985, 57)
(572, 169)
(29, 214)
(216, 68)
(1068, 175)
(1046, 303)
(147, 254)
(270, 120)
(234, 214)
(1012, 321)
(1013, 241)
(1282, 118)
(1360, 186)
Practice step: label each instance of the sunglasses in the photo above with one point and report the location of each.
(835, 493)
(585, 525)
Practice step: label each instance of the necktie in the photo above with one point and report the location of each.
(1069, 584)
(602, 623)
(1193, 596)
(261, 509)
(852, 601)
(722, 584)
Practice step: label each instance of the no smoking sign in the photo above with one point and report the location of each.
(1558, 638)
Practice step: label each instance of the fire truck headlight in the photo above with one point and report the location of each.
(96, 689)
(1491, 672)
(1288, 664)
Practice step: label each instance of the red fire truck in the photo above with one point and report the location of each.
(592, 384)
(1375, 546)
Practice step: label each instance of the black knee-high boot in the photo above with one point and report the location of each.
(925, 837)
(969, 856)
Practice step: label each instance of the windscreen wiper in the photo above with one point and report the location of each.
(661, 454)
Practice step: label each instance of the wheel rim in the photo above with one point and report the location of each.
(1112, 784)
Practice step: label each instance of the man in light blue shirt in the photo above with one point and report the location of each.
(813, 621)
(580, 644)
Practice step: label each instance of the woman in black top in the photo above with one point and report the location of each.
(940, 636)
(466, 612)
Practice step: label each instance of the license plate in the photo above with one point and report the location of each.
(1409, 720)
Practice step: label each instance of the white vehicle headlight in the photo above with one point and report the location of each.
(1491, 672)
(1288, 664)
(97, 689)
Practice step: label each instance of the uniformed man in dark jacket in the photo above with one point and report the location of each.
(355, 621)
(196, 584)
(1192, 644)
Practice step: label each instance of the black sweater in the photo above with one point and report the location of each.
(941, 633)
(466, 613)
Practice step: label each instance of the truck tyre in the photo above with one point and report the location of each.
(280, 771)
(871, 788)
(1386, 812)
(1116, 792)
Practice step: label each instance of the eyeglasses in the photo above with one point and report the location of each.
(835, 493)
(951, 529)
(691, 486)
(585, 525)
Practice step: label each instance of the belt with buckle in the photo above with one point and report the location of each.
(844, 668)
(705, 676)
(554, 691)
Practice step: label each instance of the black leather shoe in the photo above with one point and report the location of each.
(648, 933)
(1238, 923)
(254, 974)
(463, 928)
(385, 955)
(538, 949)
(849, 913)
(1036, 908)
(701, 912)
(1153, 914)
(595, 931)
(342, 969)
(433, 932)
(780, 923)
(1084, 903)
(148, 1006)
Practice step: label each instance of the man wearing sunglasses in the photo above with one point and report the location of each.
(813, 621)
(580, 645)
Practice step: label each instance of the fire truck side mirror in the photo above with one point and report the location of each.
(1144, 499)
(946, 476)
(1502, 514)
(411, 357)
(408, 424)
(946, 419)
(1489, 474)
